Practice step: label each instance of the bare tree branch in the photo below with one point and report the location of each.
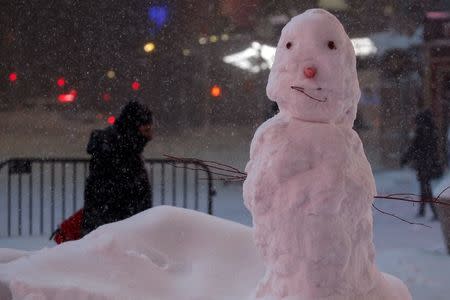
(403, 194)
(442, 192)
(222, 167)
(200, 169)
(429, 200)
(237, 179)
(237, 175)
(397, 217)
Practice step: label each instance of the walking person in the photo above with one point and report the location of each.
(422, 154)
(118, 186)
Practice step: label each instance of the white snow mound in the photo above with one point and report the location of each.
(162, 253)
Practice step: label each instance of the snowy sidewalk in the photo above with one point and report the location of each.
(414, 253)
(425, 272)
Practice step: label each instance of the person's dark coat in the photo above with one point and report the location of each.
(117, 186)
(423, 152)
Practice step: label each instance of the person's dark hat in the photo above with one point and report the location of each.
(134, 114)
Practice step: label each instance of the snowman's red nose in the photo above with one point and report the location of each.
(309, 72)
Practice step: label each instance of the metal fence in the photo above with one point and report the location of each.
(37, 194)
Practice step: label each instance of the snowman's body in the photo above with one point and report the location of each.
(309, 185)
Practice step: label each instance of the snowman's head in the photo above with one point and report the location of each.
(314, 77)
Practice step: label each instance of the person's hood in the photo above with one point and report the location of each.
(124, 136)
(133, 115)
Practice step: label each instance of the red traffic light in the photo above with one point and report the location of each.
(12, 77)
(216, 91)
(111, 120)
(68, 98)
(135, 85)
(61, 82)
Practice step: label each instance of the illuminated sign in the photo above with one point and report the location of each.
(158, 15)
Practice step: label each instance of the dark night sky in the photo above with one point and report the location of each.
(105, 31)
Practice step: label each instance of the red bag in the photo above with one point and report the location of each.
(69, 229)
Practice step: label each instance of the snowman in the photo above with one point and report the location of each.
(309, 185)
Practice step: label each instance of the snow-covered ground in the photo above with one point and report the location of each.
(414, 253)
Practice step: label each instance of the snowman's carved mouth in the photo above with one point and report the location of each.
(302, 90)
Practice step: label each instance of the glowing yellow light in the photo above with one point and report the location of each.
(213, 38)
(186, 52)
(149, 47)
(111, 74)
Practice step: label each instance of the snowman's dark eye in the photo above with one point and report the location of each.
(288, 45)
(332, 45)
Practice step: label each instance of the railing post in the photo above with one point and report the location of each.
(163, 183)
(9, 200)
(63, 190)
(52, 196)
(174, 185)
(184, 185)
(41, 198)
(74, 182)
(19, 206)
(30, 202)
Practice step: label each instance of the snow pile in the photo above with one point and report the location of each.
(162, 253)
(309, 185)
(7, 255)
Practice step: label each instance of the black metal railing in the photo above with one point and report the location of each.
(37, 194)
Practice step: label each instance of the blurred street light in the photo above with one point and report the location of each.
(68, 98)
(213, 38)
(61, 82)
(111, 120)
(135, 85)
(216, 91)
(149, 47)
(246, 59)
(111, 74)
(186, 52)
(364, 46)
(13, 77)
